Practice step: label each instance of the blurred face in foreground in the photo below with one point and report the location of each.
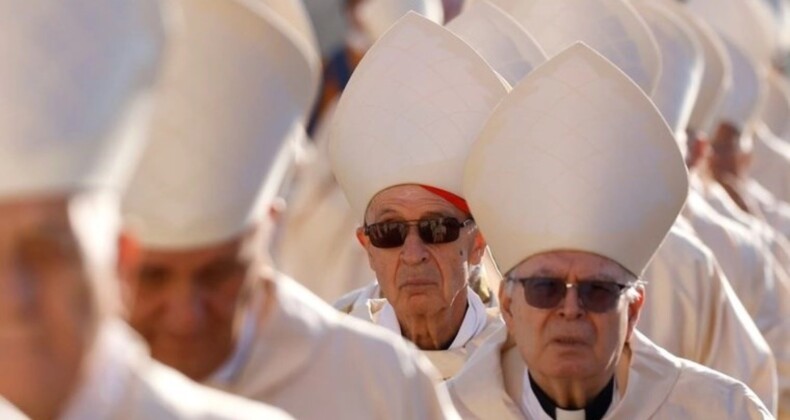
(53, 263)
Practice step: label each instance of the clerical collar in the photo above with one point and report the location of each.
(595, 410)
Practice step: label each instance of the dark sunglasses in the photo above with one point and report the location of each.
(594, 295)
(439, 230)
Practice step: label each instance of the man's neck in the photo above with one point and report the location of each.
(435, 331)
(594, 407)
(571, 394)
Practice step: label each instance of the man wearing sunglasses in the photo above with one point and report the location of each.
(397, 147)
(585, 190)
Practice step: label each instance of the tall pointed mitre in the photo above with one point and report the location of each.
(742, 101)
(683, 65)
(499, 39)
(717, 74)
(775, 111)
(746, 23)
(576, 157)
(300, 28)
(232, 103)
(377, 16)
(611, 27)
(74, 79)
(742, 29)
(410, 111)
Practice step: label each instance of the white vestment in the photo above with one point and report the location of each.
(659, 386)
(316, 363)
(769, 308)
(9, 412)
(122, 382)
(692, 311)
(478, 324)
(771, 166)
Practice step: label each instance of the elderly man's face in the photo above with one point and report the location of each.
(48, 313)
(569, 342)
(421, 279)
(728, 157)
(185, 304)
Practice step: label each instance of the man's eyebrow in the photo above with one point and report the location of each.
(436, 213)
(601, 277)
(546, 272)
(387, 212)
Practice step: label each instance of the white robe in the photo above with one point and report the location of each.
(770, 309)
(771, 210)
(771, 165)
(659, 386)
(691, 310)
(367, 304)
(9, 412)
(316, 363)
(122, 382)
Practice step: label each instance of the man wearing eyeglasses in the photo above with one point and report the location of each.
(397, 147)
(574, 199)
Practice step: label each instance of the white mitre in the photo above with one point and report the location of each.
(717, 74)
(412, 108)
(499, 39)
(749, 47)
(775, 110)
(234, 93)
(377, 16)
(75, 82)
(746, 23)
(682, 69)
(576, 157)
(742, 101)
(611, 27)
(300, 28)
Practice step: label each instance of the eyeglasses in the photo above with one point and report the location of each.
(594, 295)
(439, 230)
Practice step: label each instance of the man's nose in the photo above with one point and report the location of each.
(185, 310)
(571, 306)
(414, 250)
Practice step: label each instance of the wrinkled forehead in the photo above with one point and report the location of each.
(408, 202)
(577, 264)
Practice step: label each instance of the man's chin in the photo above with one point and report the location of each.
(195, 368)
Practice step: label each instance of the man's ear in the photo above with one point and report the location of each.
(126, 265)
(361, 237)
(505, 302)
(277, 209)
(478, 248)
(634, 309)
(128, 253)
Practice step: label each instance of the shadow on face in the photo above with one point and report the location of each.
(729, 157)
(48, 314)
(563, 340)
(186, 304)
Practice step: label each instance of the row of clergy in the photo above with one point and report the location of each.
(145, 144)
(728, 249)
